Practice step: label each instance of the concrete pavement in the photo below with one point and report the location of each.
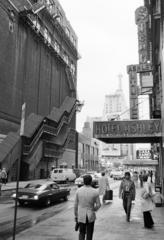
(111, 224)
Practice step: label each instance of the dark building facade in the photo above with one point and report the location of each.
(157, 103)
(38, 66)
(150, 22)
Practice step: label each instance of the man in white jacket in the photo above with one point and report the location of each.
(87, 202)
(103, 186)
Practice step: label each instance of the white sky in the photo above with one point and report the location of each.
(107, 42)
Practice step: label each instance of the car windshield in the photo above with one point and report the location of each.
(36, 186)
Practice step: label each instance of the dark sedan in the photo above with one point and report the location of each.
(41, 193)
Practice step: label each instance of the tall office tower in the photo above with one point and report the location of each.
(115, 108)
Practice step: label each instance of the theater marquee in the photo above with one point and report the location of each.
(132, 131)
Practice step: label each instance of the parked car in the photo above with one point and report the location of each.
(80, 181)
(118, 175)
(62, 175)
(41, 193)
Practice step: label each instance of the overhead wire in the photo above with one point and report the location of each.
(127, 110)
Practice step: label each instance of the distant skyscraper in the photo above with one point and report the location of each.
(115, 106)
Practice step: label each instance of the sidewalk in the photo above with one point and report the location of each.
(111, 224)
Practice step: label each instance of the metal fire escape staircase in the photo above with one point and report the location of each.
(48, 135)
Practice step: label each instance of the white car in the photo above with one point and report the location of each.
(62, 175)
(80, 182)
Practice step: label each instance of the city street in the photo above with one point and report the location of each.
(57, 222)
(29, 216)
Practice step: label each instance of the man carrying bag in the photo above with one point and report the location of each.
(104, 187)
(87, 202)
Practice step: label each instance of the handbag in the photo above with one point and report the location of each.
(109, 195)
(77, 226)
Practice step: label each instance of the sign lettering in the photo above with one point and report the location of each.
(128, 129)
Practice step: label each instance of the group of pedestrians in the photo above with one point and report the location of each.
(127, 191)
(87, 202)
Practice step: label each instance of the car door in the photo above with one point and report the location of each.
(55, 192)
(49, 193)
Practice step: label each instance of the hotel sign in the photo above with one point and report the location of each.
(142, 18)
(132, 131)
(139, 68)
(133, 95)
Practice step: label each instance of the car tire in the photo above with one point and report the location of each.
(21, 203)
(47, 202)
(65, 198)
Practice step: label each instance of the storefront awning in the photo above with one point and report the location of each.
(140, 163)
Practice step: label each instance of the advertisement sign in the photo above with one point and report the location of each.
(141, 18)
(133, 95)
(111, 150)
(146, 80)
(144, 154)
(139, 68)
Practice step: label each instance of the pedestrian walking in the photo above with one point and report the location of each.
(87, 202)
(127, 192)
(103, 186)
(147, 204)
(141, 179)
(4, 176)
(151, 176)
(135, 178)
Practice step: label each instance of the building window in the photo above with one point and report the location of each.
(57, 47)
(67, 31)
(50, 6)
(74, 42)
(73, 69)
(72, 39)
(45, 32)
(47, 36)
(65, 57)
(60, 17)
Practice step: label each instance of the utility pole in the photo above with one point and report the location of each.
(18, 167)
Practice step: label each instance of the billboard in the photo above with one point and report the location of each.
(111, 150)
(144, 154)
(146, 80)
